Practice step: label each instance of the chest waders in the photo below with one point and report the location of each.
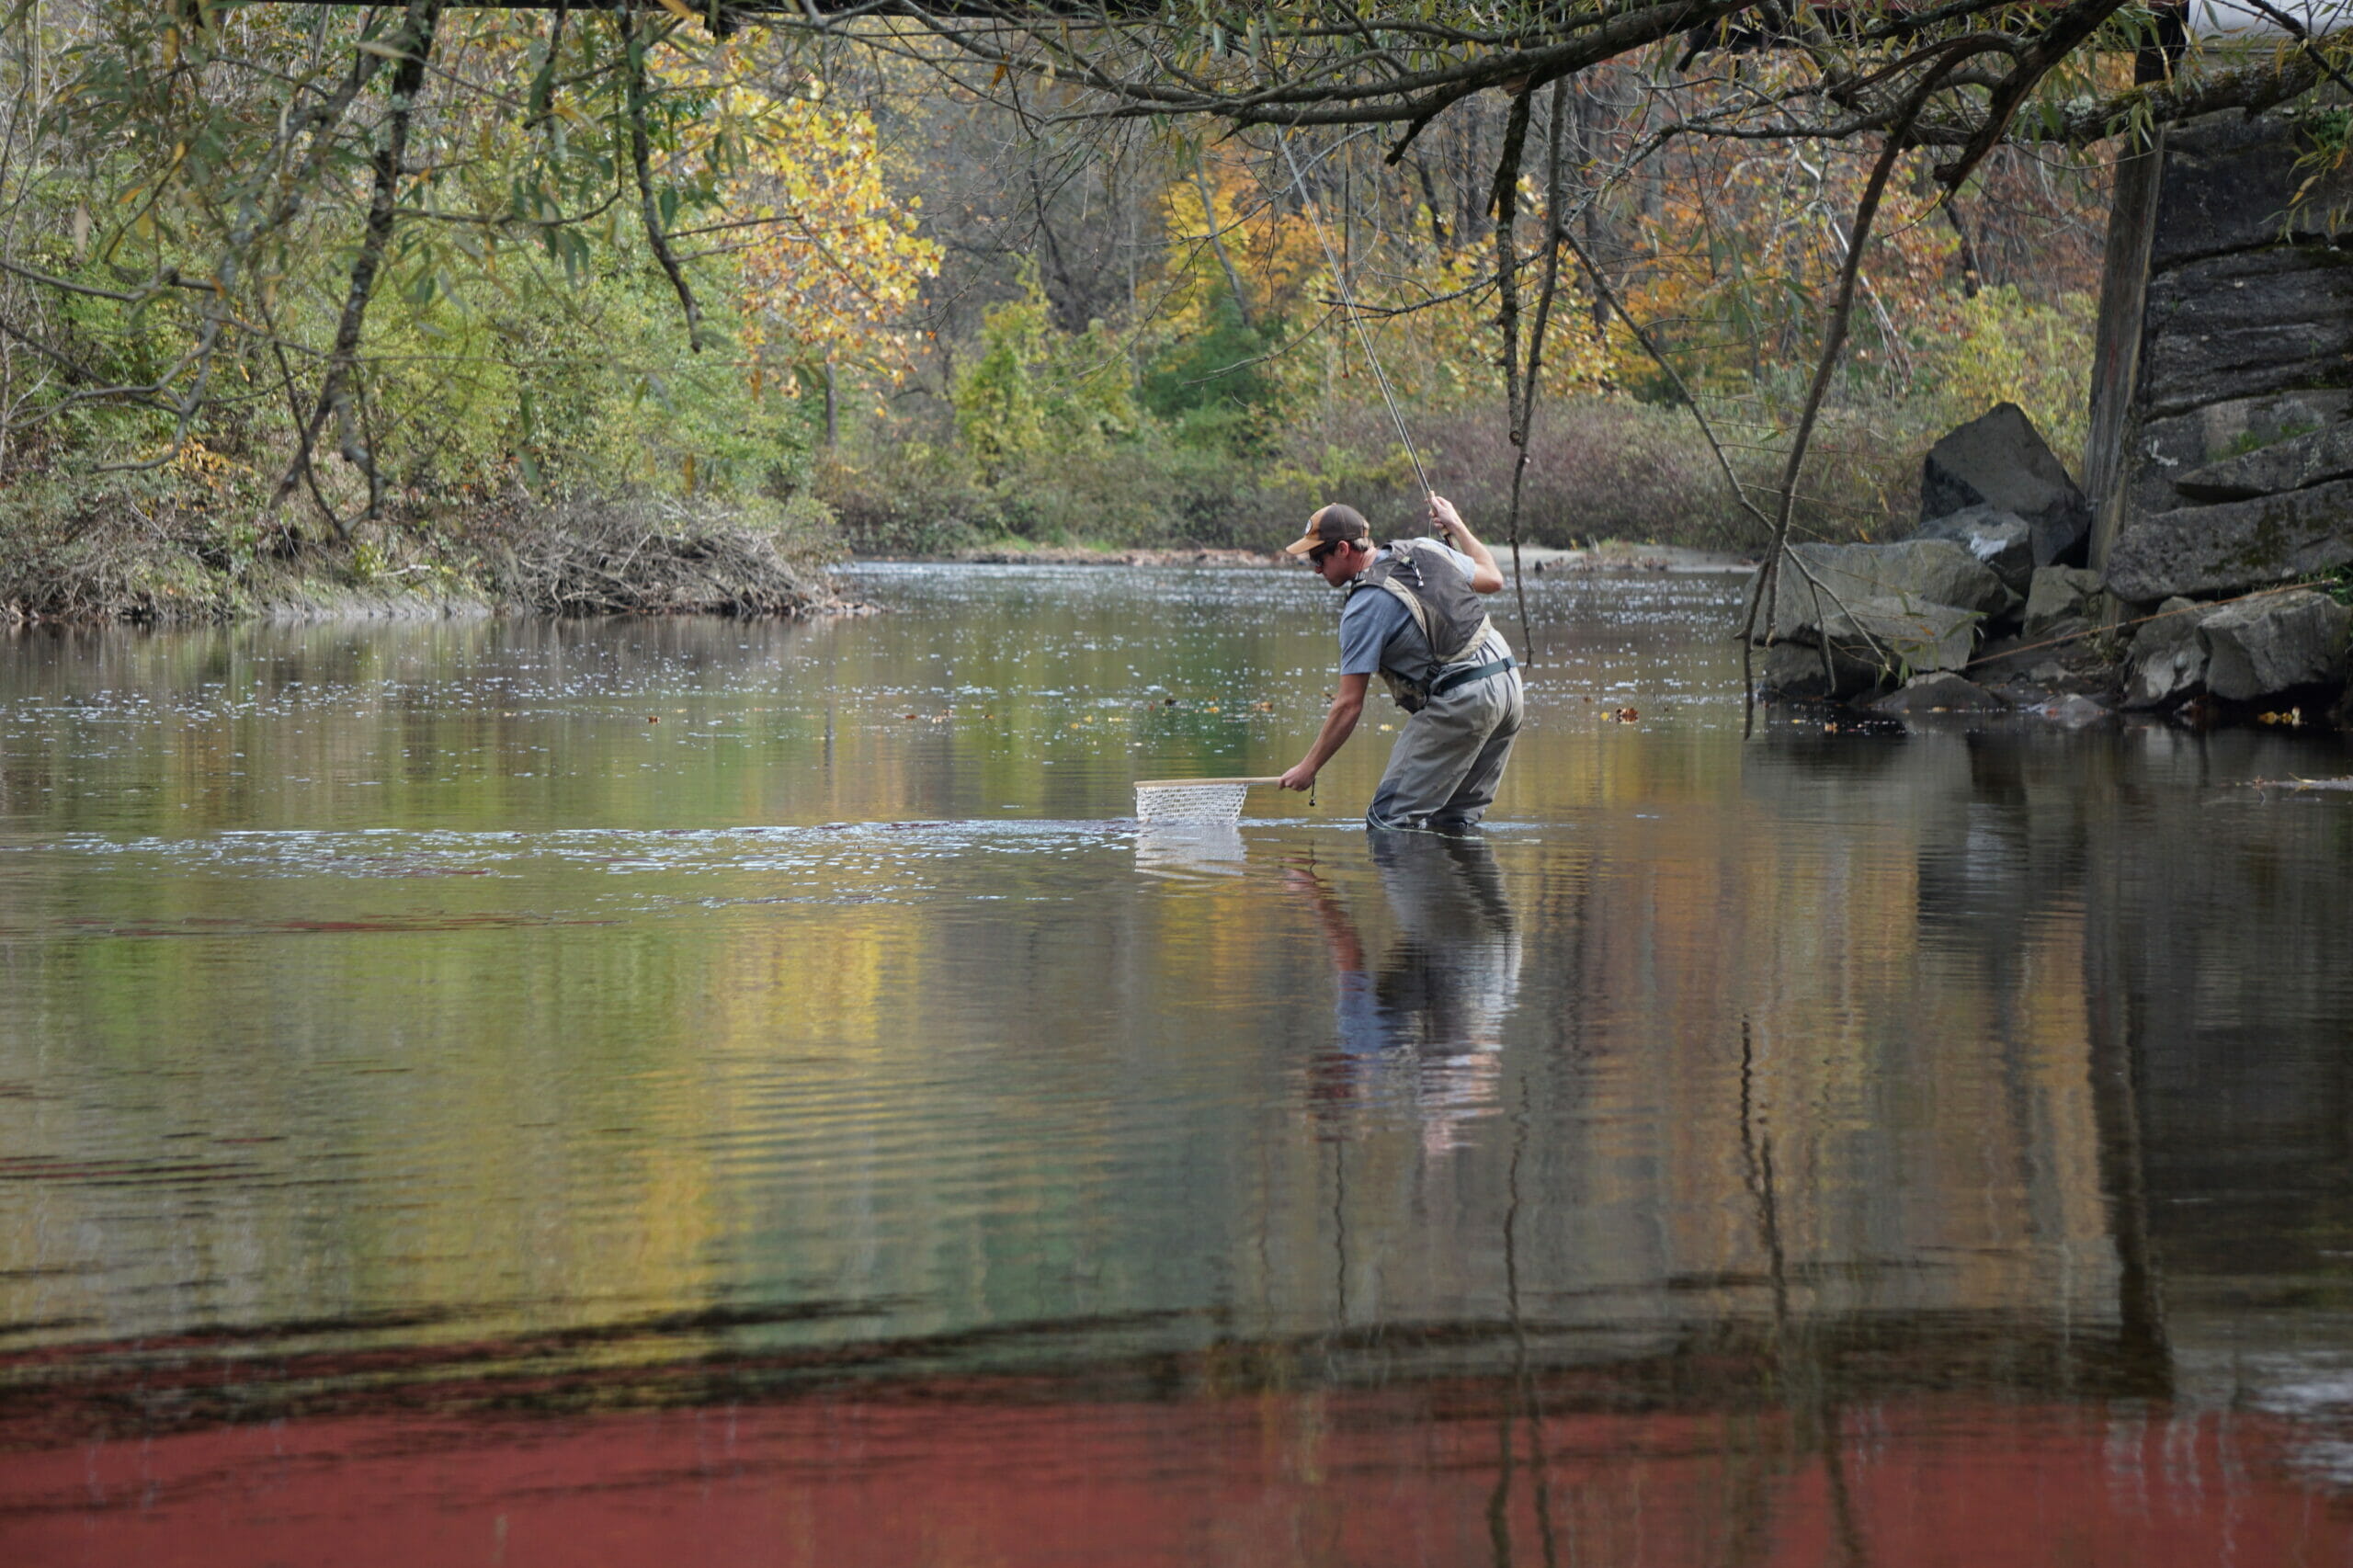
(1443, 606)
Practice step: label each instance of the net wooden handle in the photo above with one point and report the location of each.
(1164, 783)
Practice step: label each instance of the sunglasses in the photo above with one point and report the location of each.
(1322, 552)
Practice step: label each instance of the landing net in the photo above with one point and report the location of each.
(1206, 801)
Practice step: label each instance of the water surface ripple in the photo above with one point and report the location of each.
(519, 1092)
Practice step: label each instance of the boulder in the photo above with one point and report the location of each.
(2233, 545)
(2247, 324)
(1939, 692)
(1822, 578)
(1900, 638)
(2168, 661)
(1795, 671)
(1999, 460)
(2002, 541)
(2314, 458)
(2261, 647)
(2060, 602)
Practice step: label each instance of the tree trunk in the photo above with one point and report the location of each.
(1217, 240)
(640, 162)
(415, 41)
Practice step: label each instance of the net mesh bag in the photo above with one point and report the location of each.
(1206, 800)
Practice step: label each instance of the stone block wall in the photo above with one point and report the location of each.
(2233, 466)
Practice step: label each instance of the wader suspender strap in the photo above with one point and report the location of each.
(1403, 556)
(1413, 695)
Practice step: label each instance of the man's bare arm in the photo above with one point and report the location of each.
(1340, 724)
(1488, 578)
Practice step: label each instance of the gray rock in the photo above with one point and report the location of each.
(2247, 324)
(1824, 577)
(2002, 541)
(2230, 183)
(1902, 638)
(2060, 602)
(2075, 712)
(2314, 457)
(2166, 449)
(1999, 460)
(1942, 692)
(2263, 646)
(1794, 671)
(1997, 651)
(2168, 661)
(2233, 545)
(2174, 620)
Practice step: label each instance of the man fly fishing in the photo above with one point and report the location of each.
(1413, 614)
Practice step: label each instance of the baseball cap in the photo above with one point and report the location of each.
(1334, 523)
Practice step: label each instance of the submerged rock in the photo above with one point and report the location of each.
(2002, 541)
(1939, 692)
(2000, 459)
(2074, 711)
(2261, 647)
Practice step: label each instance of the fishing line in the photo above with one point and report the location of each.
(1348, 303)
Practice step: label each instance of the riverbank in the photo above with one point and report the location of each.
(1607, 556)
(606, 556)
(631, 557)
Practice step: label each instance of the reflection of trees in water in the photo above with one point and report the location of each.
(1421, 1028)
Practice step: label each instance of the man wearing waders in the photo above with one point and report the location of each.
(1413, 614)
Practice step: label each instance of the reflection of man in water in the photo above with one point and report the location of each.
(1426, 1025)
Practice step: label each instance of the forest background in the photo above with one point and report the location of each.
(848, 301)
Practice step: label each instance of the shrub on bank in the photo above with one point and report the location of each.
(491, 410)
(898, 494)
(1599, 470)
(1596, 470)
(1046, 445)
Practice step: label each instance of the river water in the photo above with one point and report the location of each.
(517, 1093)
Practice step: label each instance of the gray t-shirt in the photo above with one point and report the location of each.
(1374, 620)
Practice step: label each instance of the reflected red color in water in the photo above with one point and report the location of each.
(944, 1478)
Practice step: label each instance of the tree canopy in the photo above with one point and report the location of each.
(330, 220)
